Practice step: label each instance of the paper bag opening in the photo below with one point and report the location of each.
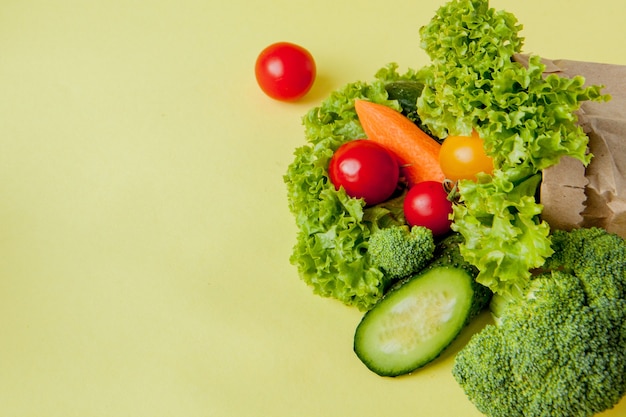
(577, 196)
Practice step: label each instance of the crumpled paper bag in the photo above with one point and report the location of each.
(577, 196)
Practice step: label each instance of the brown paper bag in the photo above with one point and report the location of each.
(575, 196)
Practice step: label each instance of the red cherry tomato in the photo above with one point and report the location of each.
(365, 170)
(426, 204)
(285, 71)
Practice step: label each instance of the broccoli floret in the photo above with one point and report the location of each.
(399, 251)
(598, 257)
(561, 349)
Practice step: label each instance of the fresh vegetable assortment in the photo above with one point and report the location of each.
(527, 122)
(331, 244)
(434, 216)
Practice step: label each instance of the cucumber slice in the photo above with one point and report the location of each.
(416, 321)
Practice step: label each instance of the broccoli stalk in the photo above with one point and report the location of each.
(399, 251)
(560, 349)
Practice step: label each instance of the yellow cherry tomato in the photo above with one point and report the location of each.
(462, 157)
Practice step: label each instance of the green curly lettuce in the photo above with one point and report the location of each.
(466, 42)
(333, 229)
(503, 236)
(527, 121)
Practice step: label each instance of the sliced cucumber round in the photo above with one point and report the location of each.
(415, 322)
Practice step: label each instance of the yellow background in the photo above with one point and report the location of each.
(144, 229)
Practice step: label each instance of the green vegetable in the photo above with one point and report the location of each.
(406, 93)
(421, 316)
(560, 348)
(447, 253)
(503, 238)
(469, 43)
(399, 251)
(333, 229)
(527, 122)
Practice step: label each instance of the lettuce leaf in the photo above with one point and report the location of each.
(333, 229)
(503, 236)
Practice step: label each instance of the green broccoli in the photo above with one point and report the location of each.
(561, 349)
(399, 251)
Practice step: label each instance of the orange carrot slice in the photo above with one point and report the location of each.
(417, 153)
